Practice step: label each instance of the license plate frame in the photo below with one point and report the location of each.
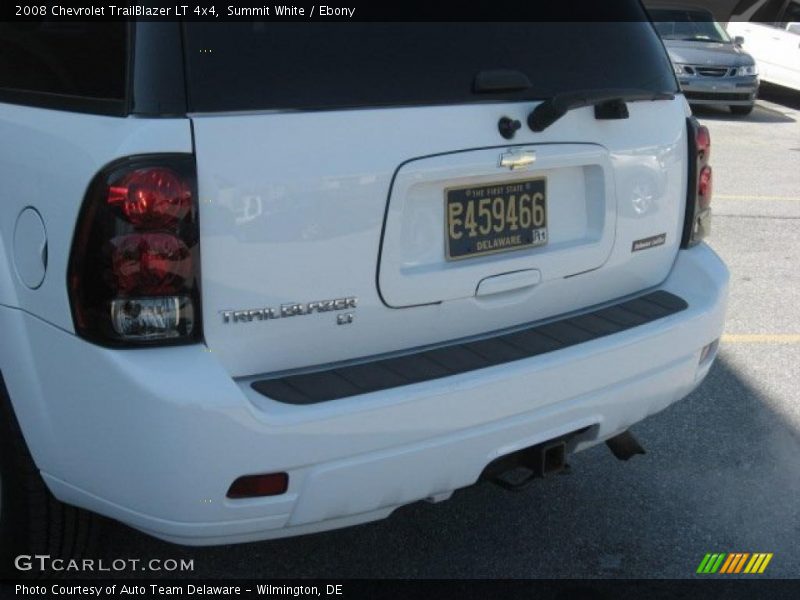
(459, 241)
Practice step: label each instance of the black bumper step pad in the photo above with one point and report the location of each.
(342, 382)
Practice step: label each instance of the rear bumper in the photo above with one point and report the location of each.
(727, 91)
(154, 438)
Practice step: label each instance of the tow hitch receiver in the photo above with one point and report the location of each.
(516, 471)
(624, 446)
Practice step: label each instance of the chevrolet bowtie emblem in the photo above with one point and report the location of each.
(517, 159)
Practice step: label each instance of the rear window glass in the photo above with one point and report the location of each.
(262, 66)
(86, 60)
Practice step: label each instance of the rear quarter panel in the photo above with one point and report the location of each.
(47, 160)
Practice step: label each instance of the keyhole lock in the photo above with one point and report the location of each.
(508, 127)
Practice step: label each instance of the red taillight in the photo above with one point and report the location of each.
(133, 275)
(255, 486)
(152, 197)
(703, 143)
(697, 223)
(150, 263)
(704, 187)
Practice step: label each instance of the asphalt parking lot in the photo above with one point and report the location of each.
(722, 472)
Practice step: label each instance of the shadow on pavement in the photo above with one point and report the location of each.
(760, 114)
(780, 95)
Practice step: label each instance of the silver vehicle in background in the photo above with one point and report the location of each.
(712, 68)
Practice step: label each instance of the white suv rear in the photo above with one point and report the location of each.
(263, 280)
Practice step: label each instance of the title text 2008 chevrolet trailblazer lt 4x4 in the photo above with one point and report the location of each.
(272, 280)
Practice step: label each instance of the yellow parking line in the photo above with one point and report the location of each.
(738, 197)
(761, 338)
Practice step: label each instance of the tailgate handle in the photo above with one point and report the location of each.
(508, 282)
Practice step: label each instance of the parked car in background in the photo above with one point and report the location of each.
(774, 44)
(711, 68)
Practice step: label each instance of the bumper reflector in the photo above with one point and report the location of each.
(256, 486)
(708, 352)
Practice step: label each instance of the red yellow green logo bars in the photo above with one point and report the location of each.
(735, 562)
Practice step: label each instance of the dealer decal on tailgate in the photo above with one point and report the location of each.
(649, 242)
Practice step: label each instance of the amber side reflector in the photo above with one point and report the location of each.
(256, 486)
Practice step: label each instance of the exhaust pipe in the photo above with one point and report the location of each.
(624, 446)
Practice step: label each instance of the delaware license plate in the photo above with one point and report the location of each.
(495, 218)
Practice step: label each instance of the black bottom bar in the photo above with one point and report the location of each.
(427, 365)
